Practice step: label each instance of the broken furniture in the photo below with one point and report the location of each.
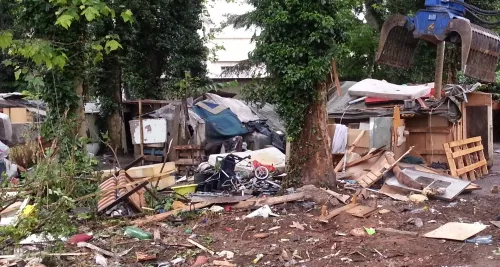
(466, 158)
(188, 158)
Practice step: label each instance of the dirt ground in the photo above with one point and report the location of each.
(319, 244)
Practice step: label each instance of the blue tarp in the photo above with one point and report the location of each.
(220, 122)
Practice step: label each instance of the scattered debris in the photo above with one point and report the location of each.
(140, 256)
(358, 232)
(261, 235)
(298, 225)
(394, 231)
(264, 212)
(495, 189)
(258, 258)
(418, 198)
(200, 260)
(223, 263)
(226, 254)
(481, 240)
(201, 247)
(370, 231)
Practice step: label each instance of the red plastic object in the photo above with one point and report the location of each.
(79, 238)
(227, 208)
(256, 164)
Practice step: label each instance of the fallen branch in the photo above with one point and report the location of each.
(394, 231)
(103, 251)
(201, 247)
(270, 201)
(165, 215)
(96, 248)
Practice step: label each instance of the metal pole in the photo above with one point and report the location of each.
(438, 79)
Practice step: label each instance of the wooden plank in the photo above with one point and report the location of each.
(349, 151)
(141, 131)
(465, 141)
(336, 212)
(18, 115)
(468, 161)
(479, 99)
(451, 161)
(394, 231)
(484, 169)
(174, 134)
(361, 211)
(336, 77)
(474, 166)
(444, 130)
(467, 151)
(352, 135)
(460, 164)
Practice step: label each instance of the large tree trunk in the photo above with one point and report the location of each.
(80, 109)
(311, 158)
(114, 120)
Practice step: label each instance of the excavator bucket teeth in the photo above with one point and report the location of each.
(397, 45)
(480, 49)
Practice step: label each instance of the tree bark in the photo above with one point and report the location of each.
(80, 109)
(310, 158)
(114, 120)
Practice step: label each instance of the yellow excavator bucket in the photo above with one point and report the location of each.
(480, 46)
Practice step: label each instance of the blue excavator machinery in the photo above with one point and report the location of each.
(444, 21)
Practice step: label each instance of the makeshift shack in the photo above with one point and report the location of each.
(397, 120)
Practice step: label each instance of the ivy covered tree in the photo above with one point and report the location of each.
(297, 43)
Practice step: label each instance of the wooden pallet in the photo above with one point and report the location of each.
(466, 159)
(375, 173)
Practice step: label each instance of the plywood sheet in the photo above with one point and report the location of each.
(155, 131)
(361, 211)
(377, 88)
(143, 171)
(456, 231)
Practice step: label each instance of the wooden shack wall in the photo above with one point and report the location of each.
(428, 134)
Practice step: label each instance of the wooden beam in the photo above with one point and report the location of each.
(465, 141)
(344, 159)
(141, 132)
(471, 150)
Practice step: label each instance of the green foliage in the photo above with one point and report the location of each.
(54, 183)
(297, 42)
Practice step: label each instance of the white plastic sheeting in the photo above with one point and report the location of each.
(242, 111)
(383, 89)
(268, 156)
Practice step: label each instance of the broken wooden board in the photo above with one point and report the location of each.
(495, 223)
(342, 198)
(466, 158)
(393, 193)
(362, 211)
(336, 212)
(456, 231)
